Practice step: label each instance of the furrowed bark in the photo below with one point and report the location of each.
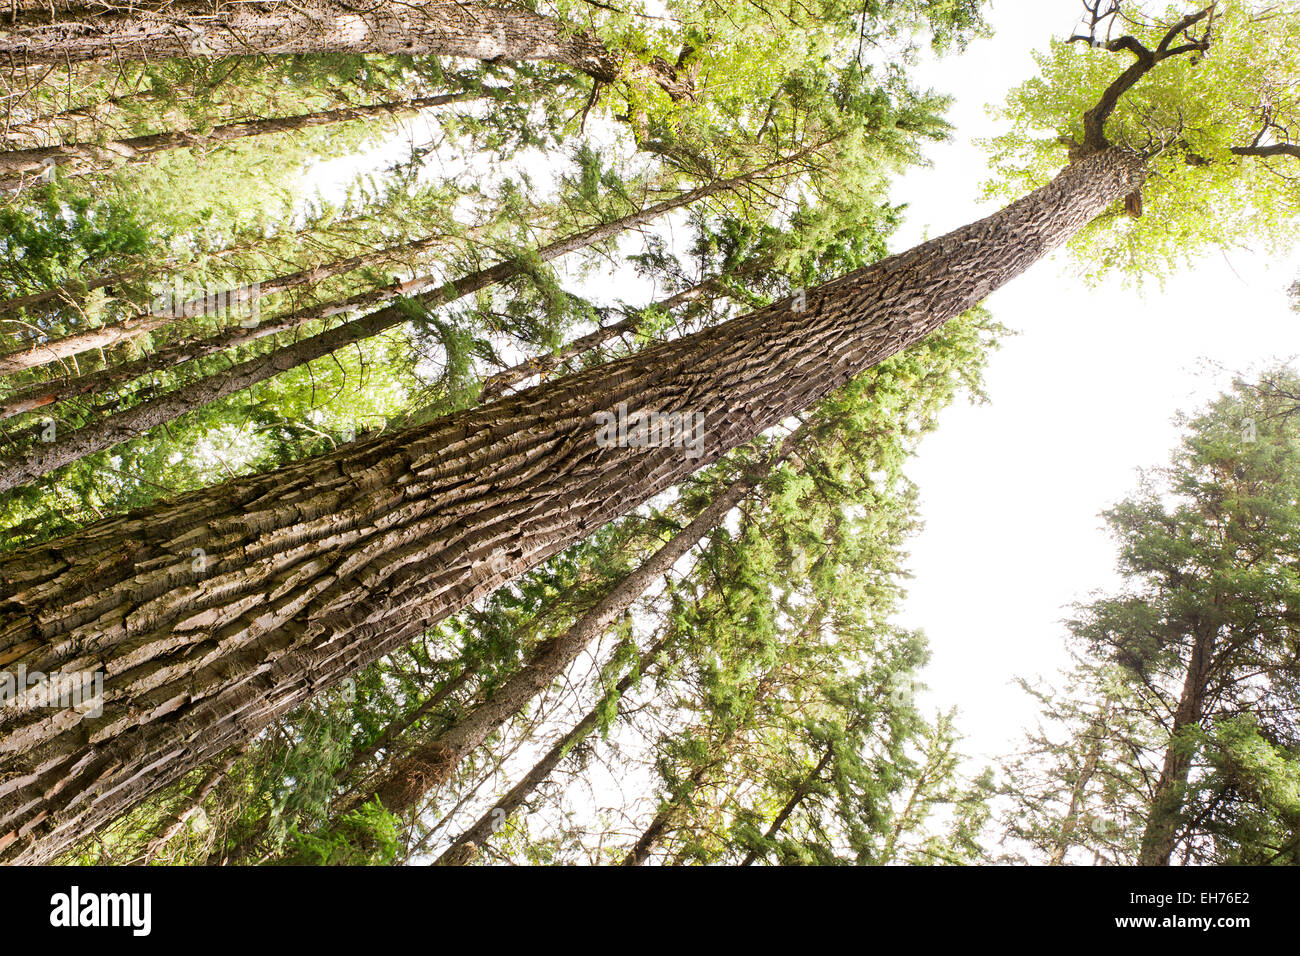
(19, 166)
(61, 33)
(213, 614)
(38, 458)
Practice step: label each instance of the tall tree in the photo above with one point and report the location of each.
(75, 32)
(309, 572)
(1193, 717)
(41, 456)
(18, 167)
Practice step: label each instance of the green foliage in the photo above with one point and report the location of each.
(1184, 699)
(1188, 113)
(366, 836)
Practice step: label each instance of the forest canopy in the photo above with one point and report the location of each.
(470, 433)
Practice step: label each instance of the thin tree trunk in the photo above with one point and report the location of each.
(800, 794)
(658, 827)
(499, 384)
(1092, 759)
(466, 846)
(166, 313)
(192, 804)
(67, 292)
(19, 166)
(217, 612)
(44, 129)
(17, 468)
(404, 723)
(61, 32)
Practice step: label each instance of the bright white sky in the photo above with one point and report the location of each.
(1011, 492)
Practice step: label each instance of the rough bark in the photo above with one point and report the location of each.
(60, 33)
(38, 458)
(316, 569)
(407, 780)
(19, 167)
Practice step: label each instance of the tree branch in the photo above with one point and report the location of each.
(1273, 149)
(1094, 121)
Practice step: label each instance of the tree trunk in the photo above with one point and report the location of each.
(1160, 836)
(432, 763)
(67, 292)
(191, 804)
(800, 794)
(166, 313)
(466, 846)
(216, 612)
(43, 394)
(18, 167)
(402, 724)
(45, 129)
(71, 32)
(497, 385)
(1095, 734)
(40, 457)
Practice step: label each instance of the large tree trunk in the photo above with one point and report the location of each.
(69, 32)
(19, 167)
(1165, 818)
(316, 569)
(431, 764)
(39, 457)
